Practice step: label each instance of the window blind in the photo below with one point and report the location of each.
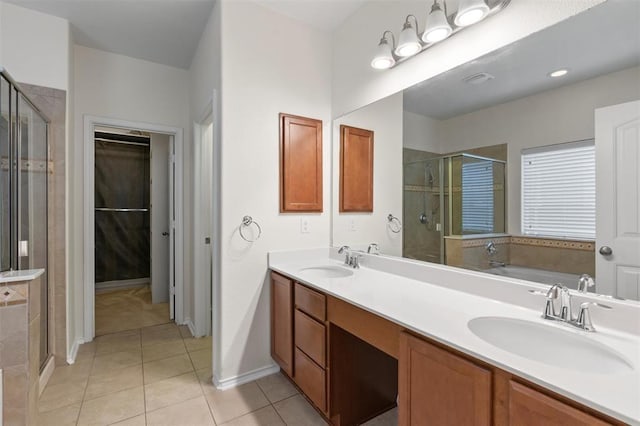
(477, 197)
(559, 190)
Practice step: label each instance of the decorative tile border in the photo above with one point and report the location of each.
(13, 294)
(481, 241)
(555, 243)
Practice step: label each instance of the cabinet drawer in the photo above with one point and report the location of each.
(311, 379)
(311, 302)
(310, 337)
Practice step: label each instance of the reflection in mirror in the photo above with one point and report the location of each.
(512, 167)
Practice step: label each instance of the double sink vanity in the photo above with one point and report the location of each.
(448, 346)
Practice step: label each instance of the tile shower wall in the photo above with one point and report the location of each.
(20, 351)
(52, 102)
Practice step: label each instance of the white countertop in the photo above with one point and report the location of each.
(24, 275)
(442, 314)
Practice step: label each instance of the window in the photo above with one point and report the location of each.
(477, 196)
(559, 190)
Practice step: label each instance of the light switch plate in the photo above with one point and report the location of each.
(352, 225)
(304, 225)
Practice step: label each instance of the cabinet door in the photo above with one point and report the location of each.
(300, 164)
(356, 169)
(437, 387)
(282, 322)
(530, 407)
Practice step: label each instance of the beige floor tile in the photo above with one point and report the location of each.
(120, 342)
(184, 331)
(201, 359)
(61, 395)
(197, 343)
(171, 391)
(71, 373)
(112, 361)
(205, 376)
(165, 368)
(163, 350)
(230, 404)
(160, 334)
(297, 411)
(114, 381)
(276, 387)
(390, 418)
(140, 420)
(60, 417)
(266, 416)
(192, 412)
(128, 309)
(112, 408)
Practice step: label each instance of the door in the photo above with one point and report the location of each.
(618, 200)
(160, 226)
(282, 322)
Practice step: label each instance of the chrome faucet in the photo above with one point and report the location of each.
(559, 291)
(351, 257)
(585, 283)
(373, 249)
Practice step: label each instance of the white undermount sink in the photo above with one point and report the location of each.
(326, 271)
(549, 345)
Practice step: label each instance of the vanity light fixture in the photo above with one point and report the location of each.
(408, 42)
(384, 56)
(559, 73)
(439, 26)
(470, 12)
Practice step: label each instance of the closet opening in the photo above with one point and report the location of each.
(132, 190)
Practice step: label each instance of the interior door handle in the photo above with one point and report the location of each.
(166, 234)
(605, 251)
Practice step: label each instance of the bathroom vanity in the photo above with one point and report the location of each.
(354, 339)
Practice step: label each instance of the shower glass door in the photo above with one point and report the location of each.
(32, 205)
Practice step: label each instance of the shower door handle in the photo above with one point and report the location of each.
(165, 234)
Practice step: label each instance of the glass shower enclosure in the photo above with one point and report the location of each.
(24, 175)
(451, 196)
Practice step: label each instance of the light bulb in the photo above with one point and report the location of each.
(408, 42)
(438, 27)
(470, 12)
(384, 57)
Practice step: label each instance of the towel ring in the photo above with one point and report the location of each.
(247, 221)
(394, 224)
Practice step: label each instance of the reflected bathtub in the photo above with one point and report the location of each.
(535, 275)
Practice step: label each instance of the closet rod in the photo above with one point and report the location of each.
(106, 209)
(122, 142)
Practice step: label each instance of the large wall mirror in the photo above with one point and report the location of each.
(522, 163)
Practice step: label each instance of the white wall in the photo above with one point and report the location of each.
(270, 64)
(120, 87)
(356, 84)
(34, 47)
(422, 133)
(385, 119)
(556, 116)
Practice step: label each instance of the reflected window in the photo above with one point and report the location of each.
(559, 190)
(477, 197)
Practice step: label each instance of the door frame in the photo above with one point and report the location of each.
(202, 324)
(90, 122)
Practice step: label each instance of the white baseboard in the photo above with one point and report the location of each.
(232, 382)
(46, 373)
(73, 353)
(191, 325)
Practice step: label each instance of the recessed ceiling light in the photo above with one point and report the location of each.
(559, 73)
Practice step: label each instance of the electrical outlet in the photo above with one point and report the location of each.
(304, 225)
(352, 225)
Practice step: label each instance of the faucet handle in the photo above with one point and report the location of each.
(343, 248)
(585, 283)
(584, 317)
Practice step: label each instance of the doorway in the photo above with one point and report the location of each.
(132, 255)
(133, 210)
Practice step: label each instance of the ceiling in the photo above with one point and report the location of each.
(162, 31)
(601, 40)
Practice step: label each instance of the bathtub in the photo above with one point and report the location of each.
(536, 275)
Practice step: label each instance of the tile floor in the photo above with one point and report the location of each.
(160, 375)
(128, 309)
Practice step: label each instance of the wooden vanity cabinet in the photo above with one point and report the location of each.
(437, 387)
(282, 322)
